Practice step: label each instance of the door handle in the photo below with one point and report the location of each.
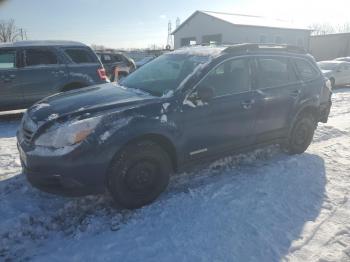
(247, 104)
(56, 73)
(295, 93)
(8, 78)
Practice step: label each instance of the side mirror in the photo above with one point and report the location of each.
(205, 93)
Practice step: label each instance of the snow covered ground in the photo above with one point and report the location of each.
(261, 206)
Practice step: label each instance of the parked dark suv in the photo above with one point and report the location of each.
(32, 70)
(112, 61)
(182, 108)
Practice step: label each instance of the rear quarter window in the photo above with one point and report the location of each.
(118, 58)
(80, 55)
(305, 70)
(106, 58)
(274, 72)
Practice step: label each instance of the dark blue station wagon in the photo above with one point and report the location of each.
(189, 106)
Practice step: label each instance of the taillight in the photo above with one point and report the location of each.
(102, 74)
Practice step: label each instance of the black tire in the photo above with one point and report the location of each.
(301, 134)
(332, 82)
(139, 174)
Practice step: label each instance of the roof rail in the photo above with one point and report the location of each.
(265, 47)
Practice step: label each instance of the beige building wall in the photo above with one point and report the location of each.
(329, 47)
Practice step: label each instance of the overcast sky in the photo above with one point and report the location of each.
(128, 24)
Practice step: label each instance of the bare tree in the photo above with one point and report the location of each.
(9, 32)
(322, 29)
(343, 28)
(327, 28)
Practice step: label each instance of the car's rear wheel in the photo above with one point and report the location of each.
(139, 174)
(301, 134)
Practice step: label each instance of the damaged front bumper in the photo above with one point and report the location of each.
(74, 173)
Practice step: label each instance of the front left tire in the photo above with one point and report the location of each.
(139, 174)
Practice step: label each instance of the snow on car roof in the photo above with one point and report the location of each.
(42, 43)
(201, 50)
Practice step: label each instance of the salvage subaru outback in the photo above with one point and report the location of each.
(185, 107)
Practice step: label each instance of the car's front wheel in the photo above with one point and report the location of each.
(301, 134)
(139, 174)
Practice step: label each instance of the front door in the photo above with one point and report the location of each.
(226, 120)
(10, 89)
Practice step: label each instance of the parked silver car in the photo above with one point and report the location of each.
(338, 72)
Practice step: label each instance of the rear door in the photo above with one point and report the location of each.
(42, 73)
(227, 120)
(10, 86)
(277, 91)
(83, 66)
(107, 61)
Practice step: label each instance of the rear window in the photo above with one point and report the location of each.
(106, 58)
(37, 57)
(274, 72)
(305, 70)
(7, 59)
(80, 55)
(118, 58)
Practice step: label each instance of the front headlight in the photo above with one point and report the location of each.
(68, 134)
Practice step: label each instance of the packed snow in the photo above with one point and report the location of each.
(260, 206)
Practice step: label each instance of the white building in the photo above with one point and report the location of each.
(203, 27)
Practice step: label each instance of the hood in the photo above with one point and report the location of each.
(94, 98)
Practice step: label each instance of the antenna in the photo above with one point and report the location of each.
(169, 43)
(178, 22)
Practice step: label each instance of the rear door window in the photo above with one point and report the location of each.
(80, 55)
(7, 59)
(305, 70)
(39, 57)
(274, 72)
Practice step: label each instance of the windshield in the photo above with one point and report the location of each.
(328, 66)
(164, 74)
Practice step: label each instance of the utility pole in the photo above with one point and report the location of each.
(178, 22)
(23, 34)
(169, 43)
